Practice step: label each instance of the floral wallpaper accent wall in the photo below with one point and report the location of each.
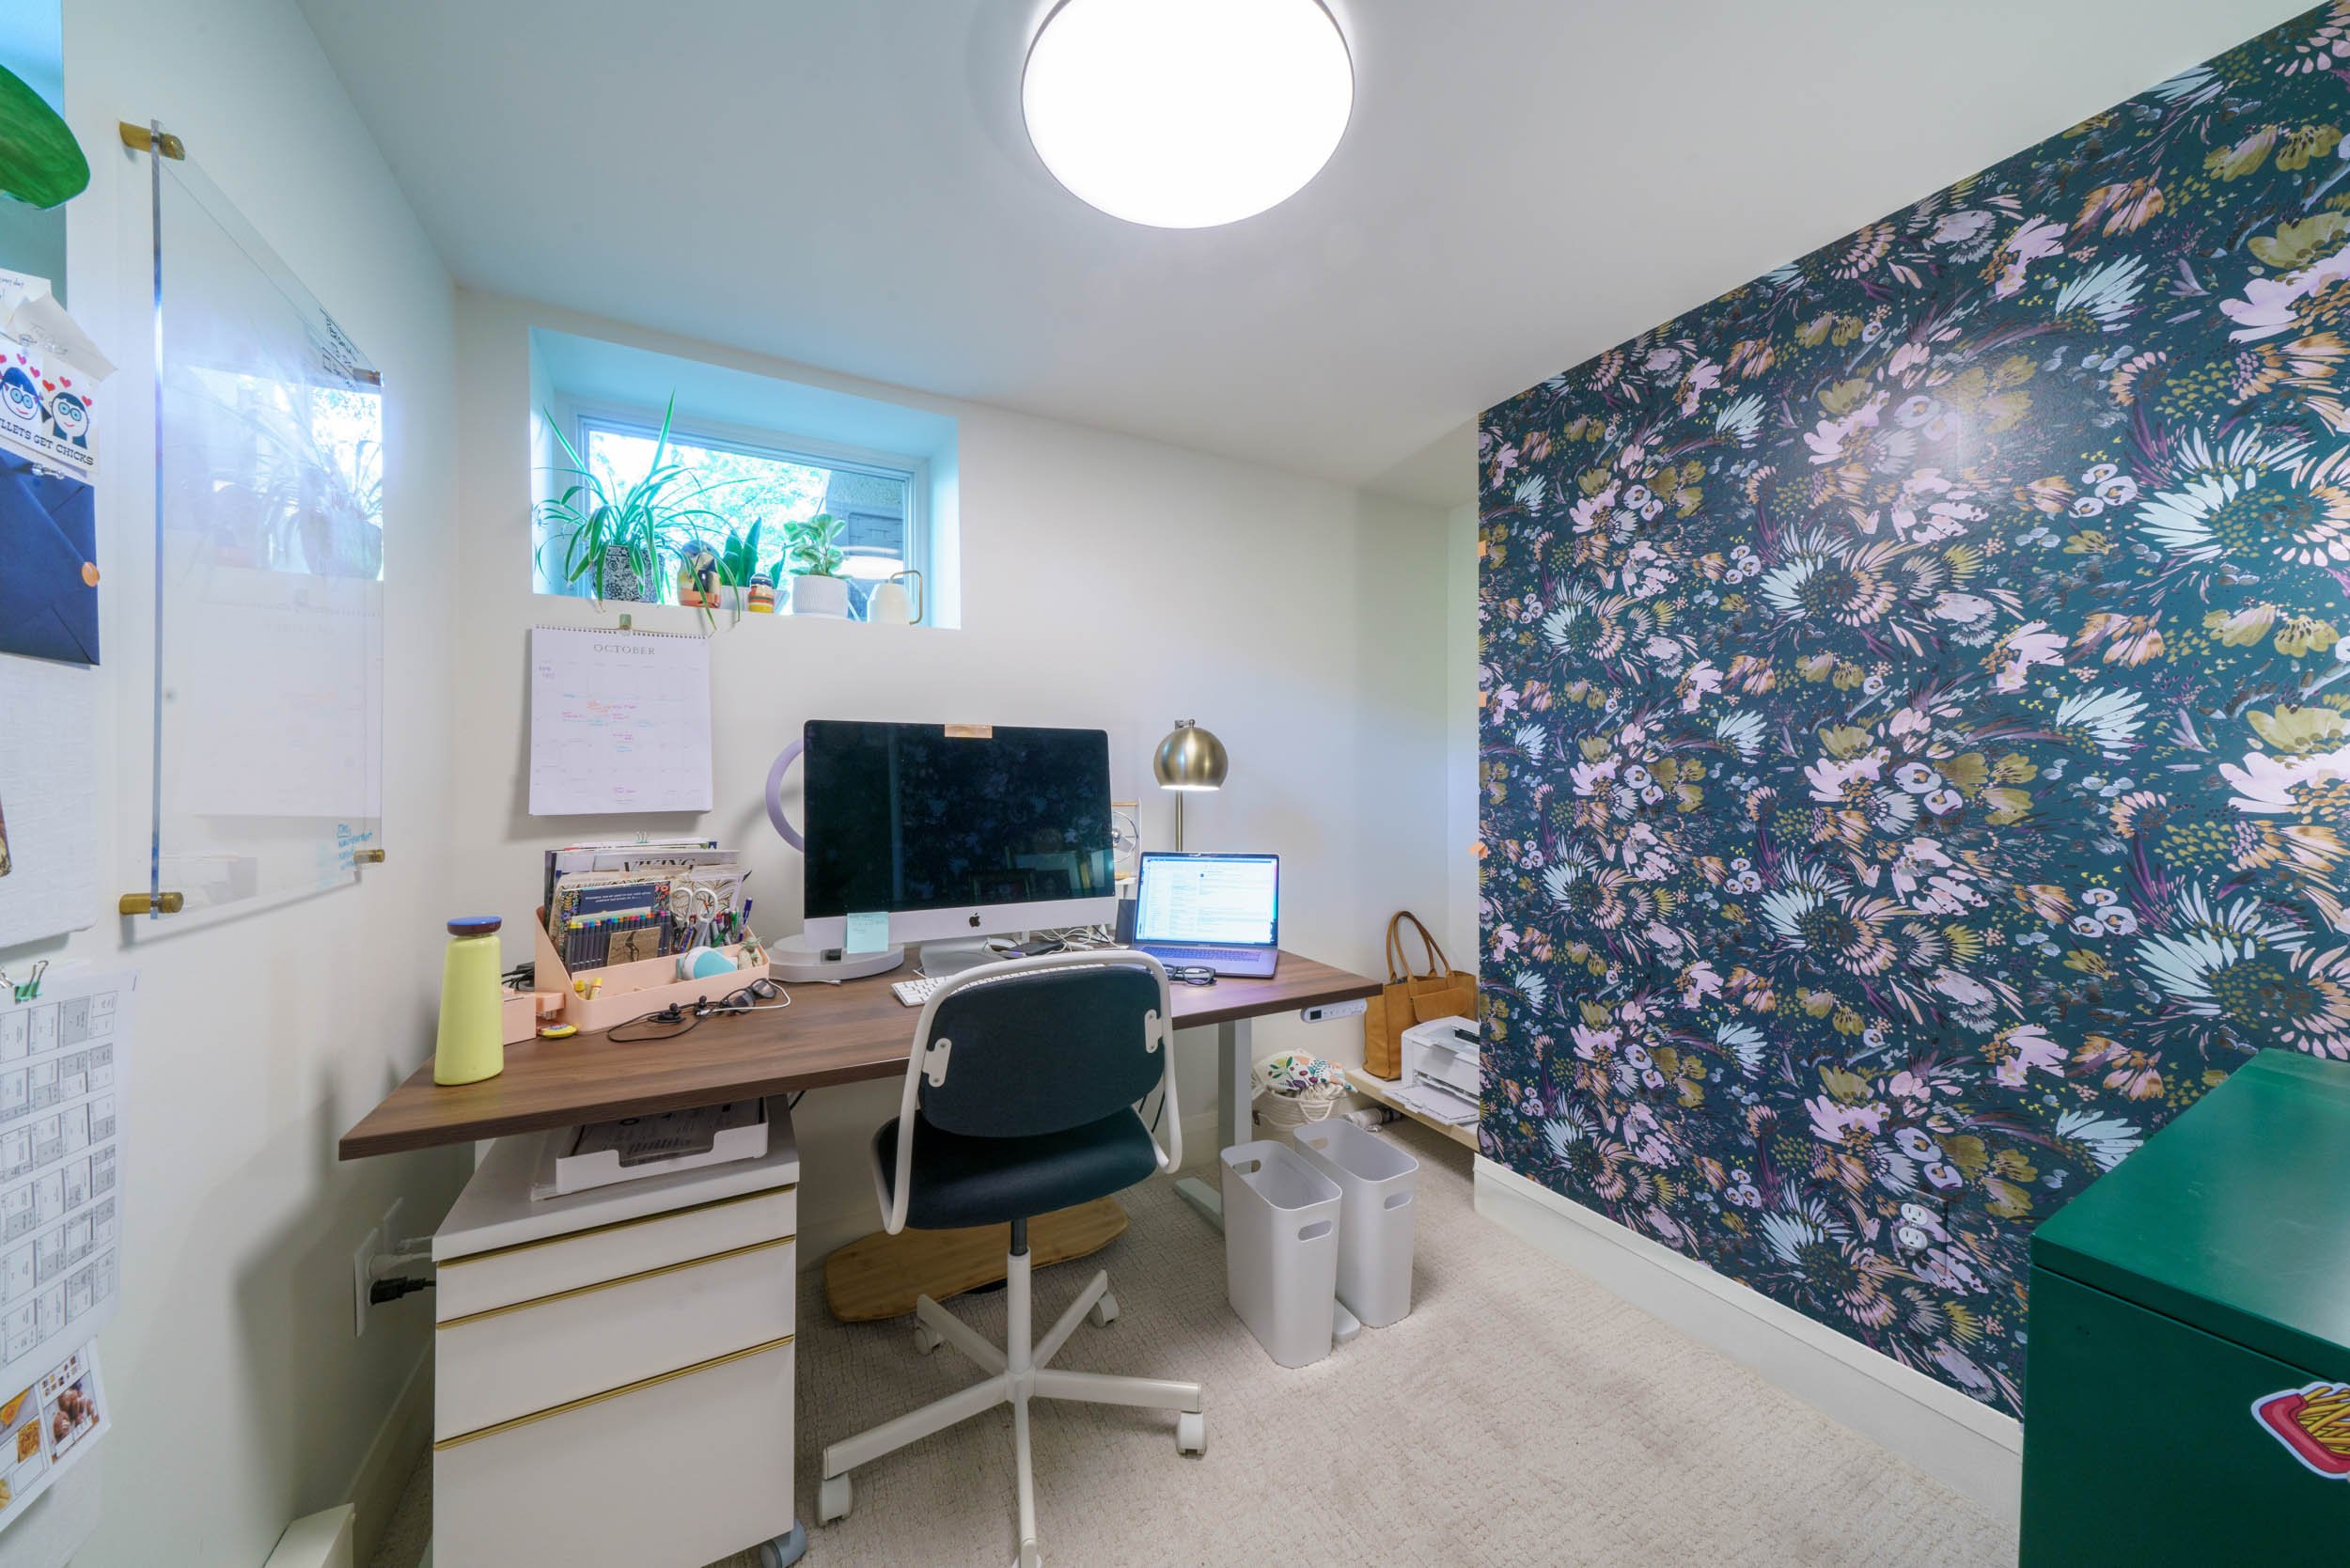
(1914, 753)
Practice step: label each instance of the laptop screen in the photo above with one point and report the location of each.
(1229, 899)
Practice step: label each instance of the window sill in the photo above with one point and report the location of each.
(684, 618)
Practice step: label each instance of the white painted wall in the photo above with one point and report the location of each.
(241, 1397)
(1461, 718)
(1107, 582)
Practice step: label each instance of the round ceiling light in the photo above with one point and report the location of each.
(1186, 113)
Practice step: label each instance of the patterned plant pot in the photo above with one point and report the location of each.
(621, 583)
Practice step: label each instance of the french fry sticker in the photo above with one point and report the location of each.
(2313, 1424)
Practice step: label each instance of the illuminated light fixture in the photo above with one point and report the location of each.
(1189, 762)
(1186, 113)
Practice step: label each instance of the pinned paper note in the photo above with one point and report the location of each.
(868, 933)
(620, 722)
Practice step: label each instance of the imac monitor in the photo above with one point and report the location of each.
(956, 832)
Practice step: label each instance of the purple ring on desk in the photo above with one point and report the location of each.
(775, 795)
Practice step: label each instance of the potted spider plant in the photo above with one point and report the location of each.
(614, 535)
(811, 546)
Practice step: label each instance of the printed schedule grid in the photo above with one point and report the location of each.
(60, 1222)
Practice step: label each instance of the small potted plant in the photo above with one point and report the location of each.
(698, 573)
(812, 548)
(614, 535)
(738, 569)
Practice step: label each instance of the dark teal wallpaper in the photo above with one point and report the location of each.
(1914, 757)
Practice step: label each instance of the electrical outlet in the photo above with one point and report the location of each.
(379, 1240)
(1334, 1009)
(1919, 1225)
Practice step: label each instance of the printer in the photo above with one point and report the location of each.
(1442, 1054)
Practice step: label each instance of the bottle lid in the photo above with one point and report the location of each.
(474, 925)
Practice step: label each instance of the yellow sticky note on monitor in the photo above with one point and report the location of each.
(868, 933)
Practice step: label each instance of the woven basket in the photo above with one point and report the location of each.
(1293, 1089)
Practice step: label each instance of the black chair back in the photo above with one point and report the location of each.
(1045, 1051)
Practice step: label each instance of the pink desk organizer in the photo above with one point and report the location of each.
(525, 1011)
(628, 989)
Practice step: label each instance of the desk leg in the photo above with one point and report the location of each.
(1235, 1082)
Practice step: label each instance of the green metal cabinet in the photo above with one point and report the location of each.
(2206, 1274)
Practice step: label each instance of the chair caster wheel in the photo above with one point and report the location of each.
(927, 1338)
(832, 1499)
(1191, 1433)
(784, 1550)
(1105, 1311)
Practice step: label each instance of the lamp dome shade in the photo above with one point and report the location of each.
(1187, 114)
(1190, 758)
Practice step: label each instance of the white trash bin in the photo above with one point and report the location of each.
(1281, 1249)
(1375, 1181)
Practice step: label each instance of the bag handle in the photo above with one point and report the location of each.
(1397, 971)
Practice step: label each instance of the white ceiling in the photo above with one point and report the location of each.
(845, 183)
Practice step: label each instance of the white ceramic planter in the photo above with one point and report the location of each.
(825, 596)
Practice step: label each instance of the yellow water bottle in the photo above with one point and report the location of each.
(472, 1044)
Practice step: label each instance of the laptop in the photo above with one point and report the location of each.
(1219, 912)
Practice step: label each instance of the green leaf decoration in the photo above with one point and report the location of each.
(2296, 244)
(40, 162)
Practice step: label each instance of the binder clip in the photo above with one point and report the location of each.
(28, 990)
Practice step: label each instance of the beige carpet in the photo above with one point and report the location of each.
(1521, 1415)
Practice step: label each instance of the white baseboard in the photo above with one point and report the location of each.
(1969, 1447)
(1199, 1149)
(319, 1540)
(400, 1443)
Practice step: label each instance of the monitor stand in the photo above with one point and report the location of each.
(940, 960)
(795, 962)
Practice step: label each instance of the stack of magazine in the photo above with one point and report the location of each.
(617, 903)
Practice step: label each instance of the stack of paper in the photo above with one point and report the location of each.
(1437, 1104)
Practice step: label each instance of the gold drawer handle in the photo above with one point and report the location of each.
(653, 1382)
(512, 1247)
(607, 1284)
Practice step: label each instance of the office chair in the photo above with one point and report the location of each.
(1021, 1098)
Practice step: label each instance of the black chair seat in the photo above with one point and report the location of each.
(959, 1181)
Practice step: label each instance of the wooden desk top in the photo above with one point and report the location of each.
(830, 1034)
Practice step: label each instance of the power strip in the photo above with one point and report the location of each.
(1335, 1010)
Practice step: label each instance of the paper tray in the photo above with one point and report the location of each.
(742, 1134)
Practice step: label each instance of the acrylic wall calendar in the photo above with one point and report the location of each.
(60, 1164)
(265, 738)
(620, 721)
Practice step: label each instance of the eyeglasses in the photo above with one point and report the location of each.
(1191, 974)
(749, 997)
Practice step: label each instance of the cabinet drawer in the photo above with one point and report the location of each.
(674, 1472)
(502, 1277)
(511, 1361)
(2142, 1449)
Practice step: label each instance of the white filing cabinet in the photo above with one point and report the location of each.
(612, 1380)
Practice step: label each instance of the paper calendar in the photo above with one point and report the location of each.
(620, 721)
(60, 1164)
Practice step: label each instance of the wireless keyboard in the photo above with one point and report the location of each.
(914, 993)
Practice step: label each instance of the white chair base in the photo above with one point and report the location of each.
(1016, 1375)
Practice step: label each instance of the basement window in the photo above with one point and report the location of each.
(760, 451)
(775, 481)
